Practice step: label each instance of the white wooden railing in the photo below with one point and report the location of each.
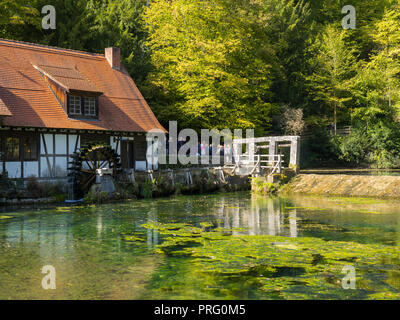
(259, 162)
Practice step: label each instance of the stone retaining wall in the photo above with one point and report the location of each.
(345, 185)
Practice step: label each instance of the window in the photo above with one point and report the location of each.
(30, 148)
(12, 149)
(90, 106)
(75, 105)
(21, 147)
(82, 106)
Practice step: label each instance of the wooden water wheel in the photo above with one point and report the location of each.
(82, 168)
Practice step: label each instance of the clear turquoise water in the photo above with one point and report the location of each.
(87, 246)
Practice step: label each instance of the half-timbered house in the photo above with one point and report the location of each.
(52, 100)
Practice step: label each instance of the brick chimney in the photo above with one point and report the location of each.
(113, 56)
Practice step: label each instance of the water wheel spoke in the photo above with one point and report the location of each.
(87, 171)
(90, 167)
(86, 183)
(92, 160)
(96, 157)
(104, 163)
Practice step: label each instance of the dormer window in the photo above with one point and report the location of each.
(75, 105)
(77, 96)
(82, 107)
(90, 106)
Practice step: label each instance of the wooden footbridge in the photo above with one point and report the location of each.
(258, 164)
(255, 161)
(262, 157)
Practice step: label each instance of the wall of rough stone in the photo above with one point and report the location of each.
(345, 185)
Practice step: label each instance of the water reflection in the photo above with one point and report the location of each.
(152, 235)
(92, 258)
(57, 233)
(262, 215)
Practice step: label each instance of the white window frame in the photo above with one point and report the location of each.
(89, 106)
(74, 106)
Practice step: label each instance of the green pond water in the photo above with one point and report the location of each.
(220, 246)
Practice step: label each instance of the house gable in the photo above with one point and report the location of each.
(36, 82)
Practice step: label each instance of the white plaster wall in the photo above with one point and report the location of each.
(61, 144)
(49, 144)
(71, 142)
(140, 166)
(13, 169)
(44, 172)
(113, 145)
(61, 169)
(31, 168)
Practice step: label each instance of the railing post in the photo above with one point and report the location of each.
(279, 163)
(272, 151)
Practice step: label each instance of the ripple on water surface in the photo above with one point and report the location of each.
(220, 246)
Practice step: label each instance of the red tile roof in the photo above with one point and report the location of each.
(68, 78)
(31, 103)
(4, 111)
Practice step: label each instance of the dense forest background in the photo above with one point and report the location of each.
(278, 66)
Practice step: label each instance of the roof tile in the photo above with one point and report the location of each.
(31, 103)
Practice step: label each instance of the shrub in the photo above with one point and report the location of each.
(320, 149)
(259, 185)
(95, 196)
(163, 187)
(147, 189)
(291, 121)
(7, 186)
(127, 190)
(379, 146)
(33, 187)
(355, 148)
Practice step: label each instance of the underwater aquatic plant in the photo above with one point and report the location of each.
(279, 267)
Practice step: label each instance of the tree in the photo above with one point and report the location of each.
(377, 85)
(333, 70)
(291, 121)
(216, 60)
(119, 23)
(17, 16)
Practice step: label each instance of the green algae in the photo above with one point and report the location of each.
(355, 200)
(133, 239)
(98, 255)
(305, 208)
(278, 267)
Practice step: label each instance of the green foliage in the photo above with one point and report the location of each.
(7, 186)
(334, 66)
(43, 189)
(147, 189)
(216, 60)
(275, 267)
(377, 85)
(95, 196)
(89, 25)
(233, 63)
(18, 17)
(259, 185)
(378, 146)
(319, 149)
(355, 148)
(118, 23)
(163, 187)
